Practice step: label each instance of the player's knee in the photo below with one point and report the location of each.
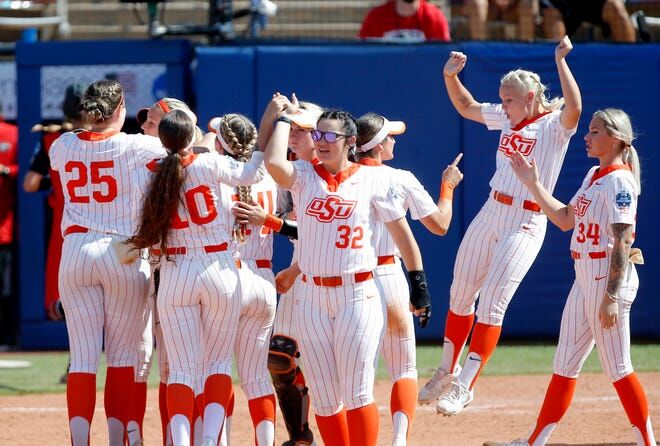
(282, 354)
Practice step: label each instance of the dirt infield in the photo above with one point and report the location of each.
(505, 407)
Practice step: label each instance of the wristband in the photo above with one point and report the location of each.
(419, 296)
(613, 298)
(283, 119)
(446, 190)
(272, 222)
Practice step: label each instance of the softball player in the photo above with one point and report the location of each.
(149, 118)
(284, 354)
(253, 250)
(199, 292)
(375, 143)
(102, 297)
(602, 215)
(339, 316)
(504, 238)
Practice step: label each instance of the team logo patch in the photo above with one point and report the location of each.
(623, 200)
(329, 208)
(581, 206)
(509, 144)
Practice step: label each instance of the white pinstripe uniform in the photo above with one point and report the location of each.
(103, 299)
(505, 237)
(334, 238)
(199, 293)
(605, 198)
(399, 340)
(258, 298)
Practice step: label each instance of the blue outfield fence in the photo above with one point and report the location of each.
(405, 83)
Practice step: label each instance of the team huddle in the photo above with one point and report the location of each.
(168, 235)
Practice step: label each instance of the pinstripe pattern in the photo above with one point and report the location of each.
(399, 338)
(126, 153)
(199, 299)
(146, 341)
(286, 307)
(104, 302)
(369, 192)
(596, 203)
(550, 142)
(254, 328)
(581, 329)
(339, 331)
(496, 252)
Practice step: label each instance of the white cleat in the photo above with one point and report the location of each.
(437, 385)
(455, 399)
(517, 442)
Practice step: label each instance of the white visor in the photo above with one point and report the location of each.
(388, 128)
(214, 126)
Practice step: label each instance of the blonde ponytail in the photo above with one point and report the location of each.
(631, 158)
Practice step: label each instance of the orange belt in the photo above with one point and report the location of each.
(592, 255)
(261, 263)
(508, 200)
(386, 260)
(75, 229)
(334, 281)
(181, 250)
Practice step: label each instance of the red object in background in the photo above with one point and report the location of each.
(383, 21)
(8, 159)
(54, 253)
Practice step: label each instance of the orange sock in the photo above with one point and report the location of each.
(180, 401)
(334, 429)
(139, 404)
(119, 386)
(218, 389)
(457, 329)
(162, 408)
(262, 408)
(81, 401)
(482, 345)
(404, 398)
(633, 398)
(363, 425)
(557, 399)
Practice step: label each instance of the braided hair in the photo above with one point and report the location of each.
(240, 134)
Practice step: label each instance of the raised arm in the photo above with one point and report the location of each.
(420, 300)
(460, 97)
(279, 167)
(570, 115)
(275, 106)
(438, 222)
(558, 213)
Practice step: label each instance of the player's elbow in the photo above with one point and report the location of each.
(31, 183)
(436, 226)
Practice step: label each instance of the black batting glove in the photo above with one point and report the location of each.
(420, 298)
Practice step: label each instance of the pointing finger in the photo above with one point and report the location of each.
(457, 159)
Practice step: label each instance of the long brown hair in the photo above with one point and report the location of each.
(100, 100)
(240, 134)
(368, 126)
(176, 131)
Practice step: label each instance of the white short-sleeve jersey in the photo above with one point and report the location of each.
(406, 188)
(606, 197)
(258, 242)
(202, 217)
(99, 181)
(542, 138)
(335, 217)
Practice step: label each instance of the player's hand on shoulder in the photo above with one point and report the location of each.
(455, 63)
(452, 174)
(527, 173)
(563, 48)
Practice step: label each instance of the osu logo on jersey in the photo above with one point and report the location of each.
(509, 144)
(327, 209)
(581, 206)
